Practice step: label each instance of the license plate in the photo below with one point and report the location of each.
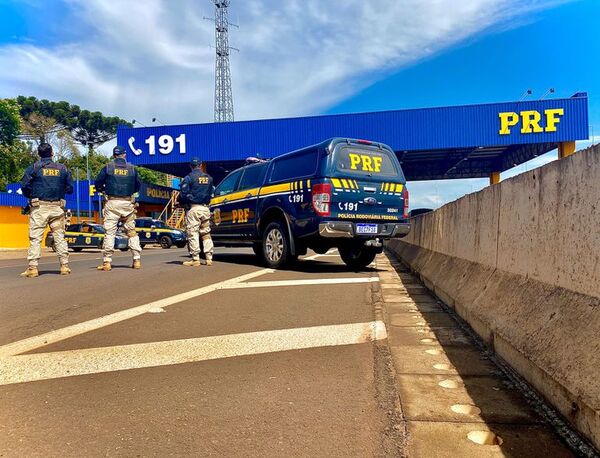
(366, 228)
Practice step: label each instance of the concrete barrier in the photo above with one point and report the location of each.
(520, 262)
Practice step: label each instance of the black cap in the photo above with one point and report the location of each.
(119, 150)
(45, 150)
(195, 162)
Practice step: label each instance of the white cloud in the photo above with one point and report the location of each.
(152, 58)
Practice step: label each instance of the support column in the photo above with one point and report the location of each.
(565, 149)
(494, 178)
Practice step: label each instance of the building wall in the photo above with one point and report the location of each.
(13, 228)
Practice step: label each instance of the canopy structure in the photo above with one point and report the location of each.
(470, 141)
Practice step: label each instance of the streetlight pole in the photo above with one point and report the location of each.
(77, 177)
(87, 167)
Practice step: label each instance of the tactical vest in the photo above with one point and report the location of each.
(49, 181)
(120, 180)
(200, 188)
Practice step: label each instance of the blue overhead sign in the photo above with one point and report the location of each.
(497, 124)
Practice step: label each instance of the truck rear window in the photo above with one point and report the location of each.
(355, 161)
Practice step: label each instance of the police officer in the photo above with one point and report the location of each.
(196, 190)
(45, 184)
(119, 181)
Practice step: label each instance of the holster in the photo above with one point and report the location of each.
(34, 203)
(26, 210)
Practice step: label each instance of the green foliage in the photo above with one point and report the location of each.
(152, 176)
(10, 121)
(14, 159)
(87, 128)
(78, 161)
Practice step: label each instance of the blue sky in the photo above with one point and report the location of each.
(145, 59)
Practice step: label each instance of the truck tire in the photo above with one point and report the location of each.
(357, 257)
(276, 246)
(165, 242)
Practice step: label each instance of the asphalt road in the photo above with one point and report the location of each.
(228, 360)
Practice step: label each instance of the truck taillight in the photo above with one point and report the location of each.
(405, 194)
(321, 198)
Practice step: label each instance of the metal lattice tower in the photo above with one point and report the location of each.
(223, 92)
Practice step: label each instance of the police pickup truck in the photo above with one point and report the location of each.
(87, 235)
(152, 230)
(344, 193)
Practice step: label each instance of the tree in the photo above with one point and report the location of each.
(87, 128)
(10, 121)
(14, 159)
(152, 176)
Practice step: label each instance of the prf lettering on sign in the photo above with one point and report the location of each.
(121, 172)
(530, 121)
(365, 162)
(50, 172)
(240, 215)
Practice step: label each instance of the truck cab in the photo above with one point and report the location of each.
(342, 193)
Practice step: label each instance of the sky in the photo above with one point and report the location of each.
(140, 60)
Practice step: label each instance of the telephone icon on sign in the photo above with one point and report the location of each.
(135, 150)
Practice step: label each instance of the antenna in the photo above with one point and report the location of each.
(223, 91)
(548, 92)
(526, 94)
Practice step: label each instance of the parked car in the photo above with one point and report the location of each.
(344, 193)
(87, 235)
(156, 231)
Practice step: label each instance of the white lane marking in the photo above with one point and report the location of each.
(317, 281)
(57, 335)
(44, 366)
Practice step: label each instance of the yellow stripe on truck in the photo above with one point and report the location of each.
(283, 187)
(234, 196)
(336, 183)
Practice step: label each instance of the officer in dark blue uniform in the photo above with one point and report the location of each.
(196, 190)
(119, 181)
(45, 184)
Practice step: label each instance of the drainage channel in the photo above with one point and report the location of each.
(458, 398)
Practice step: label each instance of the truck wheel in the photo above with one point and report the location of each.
(276, 245)
(356, 256)
(165, 242)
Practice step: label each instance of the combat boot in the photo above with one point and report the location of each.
(105, 266)
(192, 263)
(137, 264)
(208, 262)
(31, 272)
(64, 269)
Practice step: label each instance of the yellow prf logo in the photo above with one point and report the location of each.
(367, 163)
(217, 216)
(240, 215)
(530, 121)
(122, 172)
(50, 172)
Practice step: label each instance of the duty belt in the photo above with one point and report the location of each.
(58, 203)
(199, 205)
(126, 198)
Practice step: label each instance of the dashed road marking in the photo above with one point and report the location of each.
(45, 366)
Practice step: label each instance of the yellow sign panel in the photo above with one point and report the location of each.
(530, 120)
